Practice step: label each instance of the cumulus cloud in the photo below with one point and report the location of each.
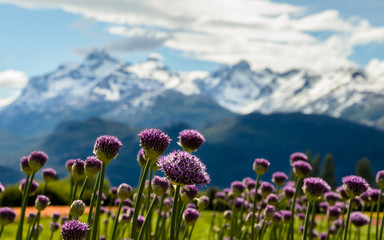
(375, 68)
(11, 84)
(265, 33)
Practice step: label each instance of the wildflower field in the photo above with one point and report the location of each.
(171, 200)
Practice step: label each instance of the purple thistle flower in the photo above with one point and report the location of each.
(266, 188)
(77, 209)
(154, 142)
(36, 160)
(203, 202)
(184, 168)
(220, 196)
(237, 188)
(287, 215)
(249, 183)
(297, 156)
(190, 216)
(49, 174)
(127, 202)
(33, 189)
(92, 166)
(24, 166)
(277, 218)
(279, 178)
(272, 199)
(190, 205)
(301, 169)
(106, 148)
(188, 193)
(373, 195)
(269, 212)
(331, 197)
(74, 230)
(289, 192)
(358, 219)
(124, 191)
(68, 165)
(160, 185)
(54, 226)
(333, 212)
(261, 165)
(42, 202)
(55, 217)
(239, 202)
(7, 216)
(190, 140)
(354, 186)
(1, 187)
(141, 158)
(314, 188)
(78, 171)
(380, 178)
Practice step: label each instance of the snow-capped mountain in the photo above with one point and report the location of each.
(106, 87)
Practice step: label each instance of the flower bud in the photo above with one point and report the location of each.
(77, 209)
(124, 191)
(37, 160)
(42, 202)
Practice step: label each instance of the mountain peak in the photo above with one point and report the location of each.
(242, 66)
(100, 54)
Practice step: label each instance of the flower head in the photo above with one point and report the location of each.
(358, 219)
(203, 202)
(269, 212)
(1, 187)
(106, 148)
(354, 186)
(42, 202)
(74, 230)
(249, 183)
(188, 193)
(49, 174)
(279, 178)
(190, 140)
(237, 188)
(68, 165)
(301, 168)
(373, 195)
(380, 178)
(184, 168)
(154, 142)
(54, 226)
(24, 166)
(31, 217)
(190, 216)
(7, 215)
(289, 192)
(77, 208)
(55, 216)
(331, 197)
(92, 166)
(342, 193)
(333, 212)
(124, 191)
(266, 188)
(160, 185)
(272, 199)
(260, 166)
(36, 160)
(33, 189)
(78, 171)
(314, 188)
(298, 156)
(141, 158)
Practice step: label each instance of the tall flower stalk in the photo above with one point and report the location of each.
(380, 182)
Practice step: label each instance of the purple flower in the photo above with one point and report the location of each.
(140, 221)
(160, 185)
(92, 166)
(380, 178)
(68, 165)
(331, 197)
(55, 216)
(190, 140)
(188, 193)
(249, 183)
(1, 187)
(31, 217)
(269, 212)
(203, 202)
(260, 166)
(141, 158)
(227, 215)
(289, 192)
(272, 199)
(266, 188)
(184, 168)
(279, 178)
(24, 166)
(287, 215)
(333, 212)
(154, 142)
(124, 191)
(342, 193)
(356, 203)
(42, 202)
(78, 171)
(113, 191)
(77, 209)
(323, 206)
(190, 216)
(314, 188)
(49, 174)
(54, 226)
(36, 160)
(301, 169)
(7, 216)
(74, 230)
(298, 156)
(125, 218)
(33, 189)
(106, 148)
(358, 219)
(354, 186)
(374, 194)
(277, 218)
(237, 188)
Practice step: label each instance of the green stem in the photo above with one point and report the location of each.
(138, 198)
(174, 213)
(29, 237)
(90, 212)
(263, 229)
(190, 232)
(147, 220)
(159, 215)
(254, 208)
(306, 220)
(370, 221)
(1, 230)
(71, 191)
(347, 221)
(98, 203)
(312, 220)
(180, 211)
(185, 232)
(45, 188)
(378, 214)
(233, 219)
(83, 188)
(25, 196)
(291, 232)
(74, 192)
(115, 223)
(51, 237)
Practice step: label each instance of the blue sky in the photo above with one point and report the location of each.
(38, 35)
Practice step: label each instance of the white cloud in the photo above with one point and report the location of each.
(11, 84)
(263, 32)
(375, 68)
